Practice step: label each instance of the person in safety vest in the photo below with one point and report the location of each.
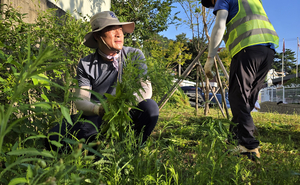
(99, 72)
(251, 41)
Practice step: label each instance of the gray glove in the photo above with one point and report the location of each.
(208, 67)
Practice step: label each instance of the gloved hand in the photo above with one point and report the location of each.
(208, 67)
(101, 111)
(98, 110)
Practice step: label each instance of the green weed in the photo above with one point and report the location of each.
(36, 92)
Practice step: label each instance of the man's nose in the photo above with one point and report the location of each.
(119, 33)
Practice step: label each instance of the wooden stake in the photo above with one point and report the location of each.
(214, 94)
(166, 97)
(221, 87)
(222, 67)
(197, 84)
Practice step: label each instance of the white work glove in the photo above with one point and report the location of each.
(98, 110)
(208, 67)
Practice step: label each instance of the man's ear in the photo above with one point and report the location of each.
(214, 2)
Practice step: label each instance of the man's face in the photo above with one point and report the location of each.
(113, 36)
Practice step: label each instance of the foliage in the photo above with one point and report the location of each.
(150, 17)
(162, 56)
(32, 160)
(179, 100)
(32, 70)
(289, 62)
(194, 21)
(225, 57)
(118, 106)
(292, 82)
(36, 81)
(191, 48)
(174, 53)
(63, 33)
(48, 29)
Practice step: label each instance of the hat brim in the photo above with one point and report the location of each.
(89, 41)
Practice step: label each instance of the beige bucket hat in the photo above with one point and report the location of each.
(101, 20)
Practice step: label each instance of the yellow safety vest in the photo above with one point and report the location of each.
(250, 26)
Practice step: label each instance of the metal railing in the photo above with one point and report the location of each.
(277, 94)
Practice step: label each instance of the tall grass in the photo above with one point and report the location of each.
(183, 148)
(31, 70)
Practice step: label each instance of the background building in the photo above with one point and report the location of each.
(84, 7)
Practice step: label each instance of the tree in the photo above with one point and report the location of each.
(150, 17)
(292, 82)
(182, 38)
(162, 55)
(192, 50)
(172, 52)
(289, 62)
(225, 57)
(194, 20)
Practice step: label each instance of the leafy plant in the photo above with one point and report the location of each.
(118, 106)
(150, 17)
(32, 68)
(36, 90)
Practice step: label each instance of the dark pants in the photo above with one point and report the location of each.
(144, 120)
(248, 72)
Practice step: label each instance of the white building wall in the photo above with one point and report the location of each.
(29, 7)
(85, 7)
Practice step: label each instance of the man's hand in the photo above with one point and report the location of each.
(208, 67)
(98, 110)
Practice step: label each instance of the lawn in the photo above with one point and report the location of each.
(200, 151)
(183, 149)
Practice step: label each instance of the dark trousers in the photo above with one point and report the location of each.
(144, 120)
(248, 71)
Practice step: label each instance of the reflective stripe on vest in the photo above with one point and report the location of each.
(250, 26)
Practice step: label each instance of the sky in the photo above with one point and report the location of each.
(284, 15)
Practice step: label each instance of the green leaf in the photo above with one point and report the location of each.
(35, 137)
(47, 80)
(14, 70)
(30, 151)
(17, 181)
(109, 96)
(29, 173)
(44, 96)
(69, 141)
(35, 81)
(86, 147)
(85, 171)
(57, 144)
(41, 79)
(66, 114)
(44, 105)
(15, 146)
(10, 61)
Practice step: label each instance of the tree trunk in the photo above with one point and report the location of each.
(206, 110)
(197, 85)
